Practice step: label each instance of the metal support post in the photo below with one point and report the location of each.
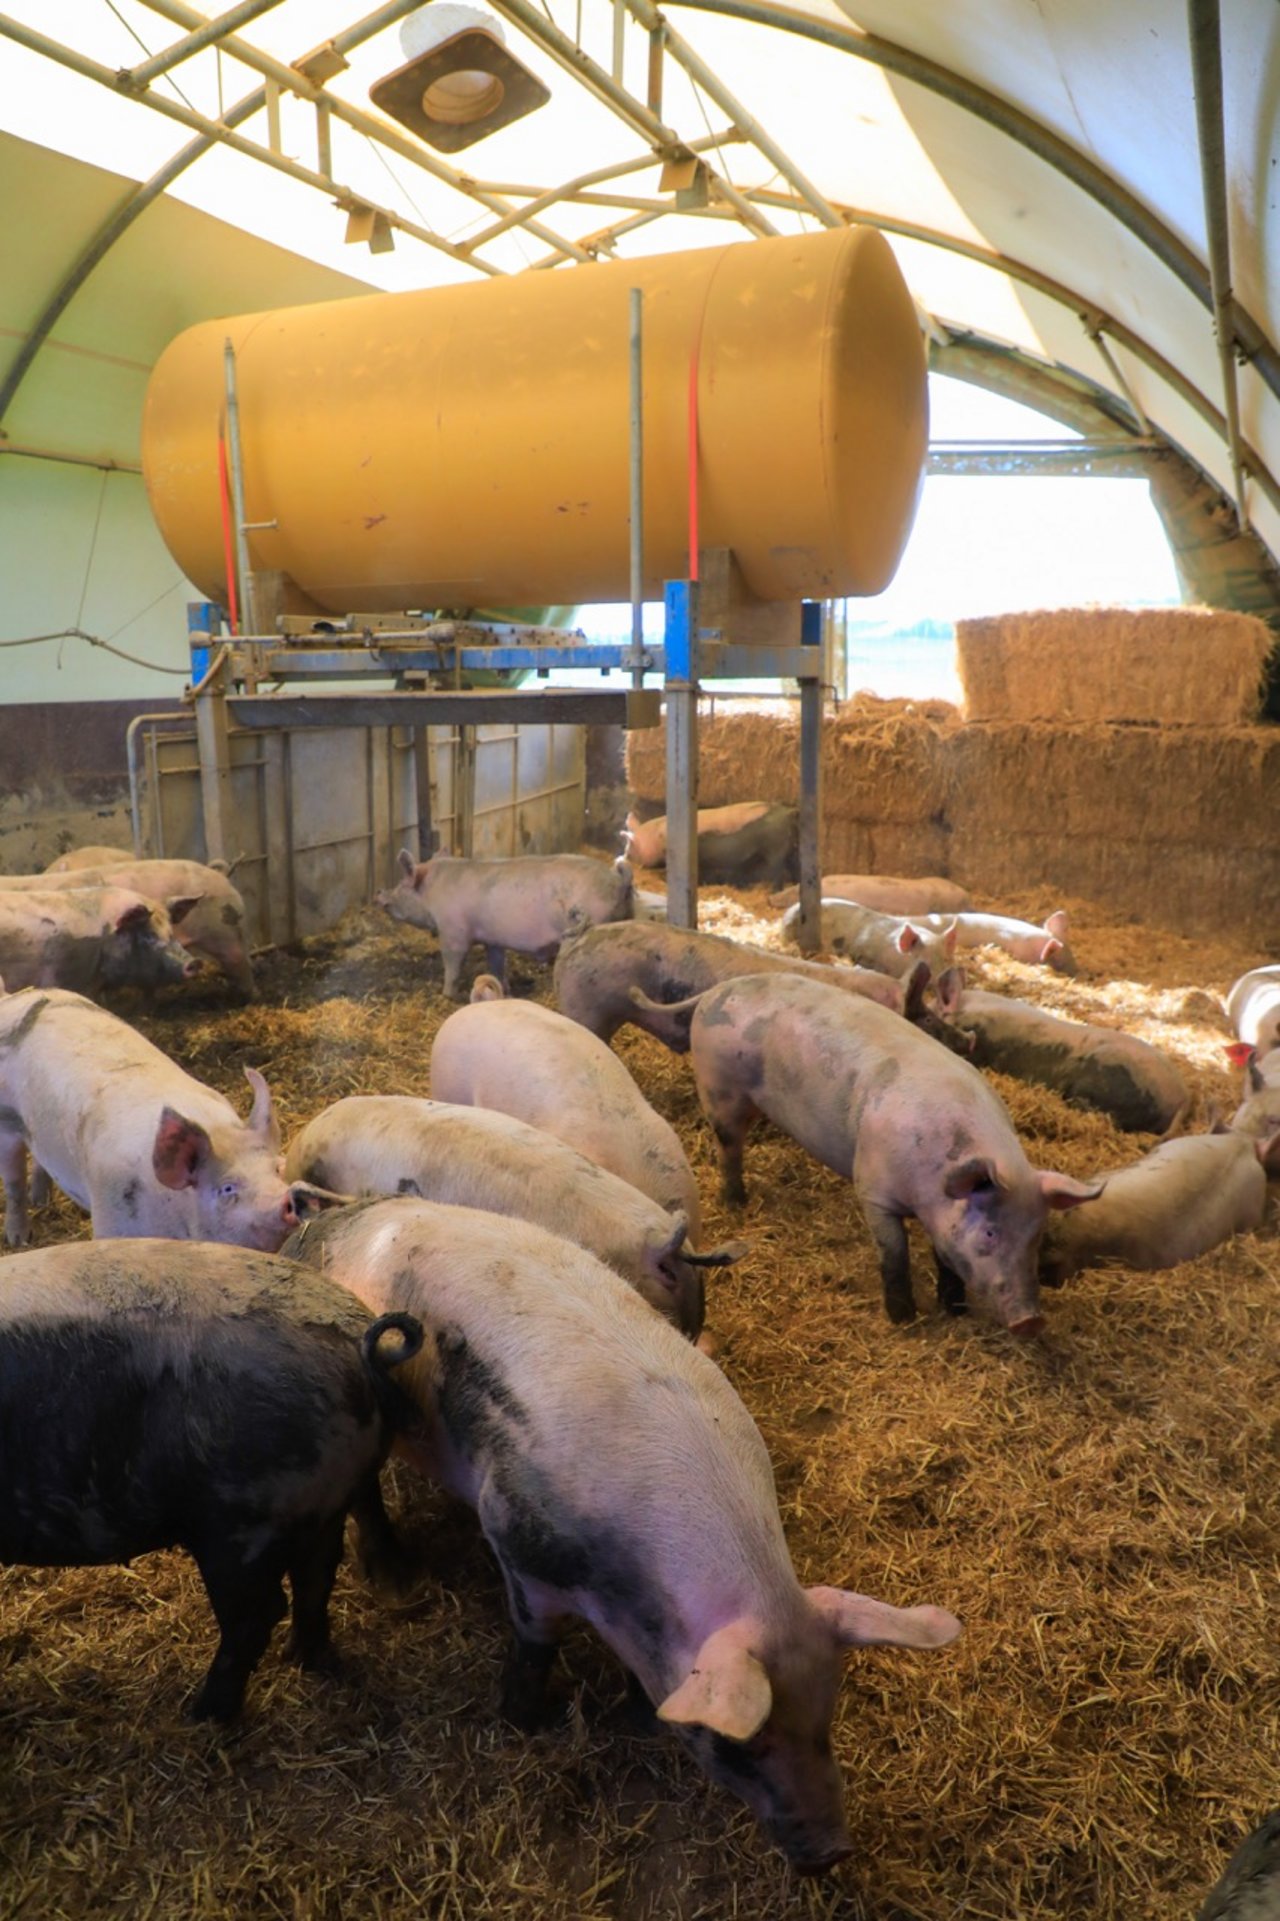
(235, 463)
(682, 751)
(811, 781)
(422, 781)
(204, 625)
(464, 790)
(213, 736)
(636, 308)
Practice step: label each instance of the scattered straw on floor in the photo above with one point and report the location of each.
(1100, 1506)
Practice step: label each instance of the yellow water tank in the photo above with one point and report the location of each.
(469, 445)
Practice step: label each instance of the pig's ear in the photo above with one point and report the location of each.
(261, 1116)
(914, 990)
(726, 1256)
(181, 906)
(1060, 1191)
(727, 1689)
(907, 938)
(949, 940)
(406, 863)
(858, 1621)
(1239, 1053)
(1057, 925)
(134, 919)
(180, 1150)
(1050, 948)
(973, 1176)
(1268, 1152)
(949, 988)
(659, 1253)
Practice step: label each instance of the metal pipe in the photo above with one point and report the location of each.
(1205, 32)
(216, 130)
(72, 460)
(130, 744)
(1099, 321)
(236, 464)
(619, 37)
(536, 198)
(137, 203)
(636, 310)
(1037, 139)
(1093, 325)
(634, 112)
(605, 239)
(698, 70)
(134, 79)
(380, 130)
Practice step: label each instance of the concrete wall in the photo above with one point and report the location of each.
(63, 778)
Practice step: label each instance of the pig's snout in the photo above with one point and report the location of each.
(812, 1861)
(1025, 1329)
(190, 968)
(823, 1865)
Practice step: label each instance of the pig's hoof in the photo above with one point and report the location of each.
(391, 1570)
(530, 1714)
(317, 1657)
(900, 1309)
(951, 1290)
(214, 1703)
(733, 1194)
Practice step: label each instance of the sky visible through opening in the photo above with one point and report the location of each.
(986, 546)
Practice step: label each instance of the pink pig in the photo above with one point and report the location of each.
(887, 893)
(140, 1144)
(1022, 939)
(543, 1068)
(916, 1129)
(868, 939)
(596, 972)
(88, 938)
(529, 904)
(207, 911)
(618, 1478)
(647, 839)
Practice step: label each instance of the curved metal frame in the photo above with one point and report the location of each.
(1237, 330)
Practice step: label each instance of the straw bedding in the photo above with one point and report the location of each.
(1101, 1507)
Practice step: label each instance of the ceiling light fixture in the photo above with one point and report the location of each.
(459, 83)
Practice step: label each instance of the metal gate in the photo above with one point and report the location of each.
(321, 813)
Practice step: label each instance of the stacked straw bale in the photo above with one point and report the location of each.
(1181, 666)
(1172, 825)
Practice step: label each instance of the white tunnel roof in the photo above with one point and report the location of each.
(1084, 181)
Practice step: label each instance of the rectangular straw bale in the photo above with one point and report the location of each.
(1172, 824)
(1182, 666)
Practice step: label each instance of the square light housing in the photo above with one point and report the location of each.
(460, 90)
